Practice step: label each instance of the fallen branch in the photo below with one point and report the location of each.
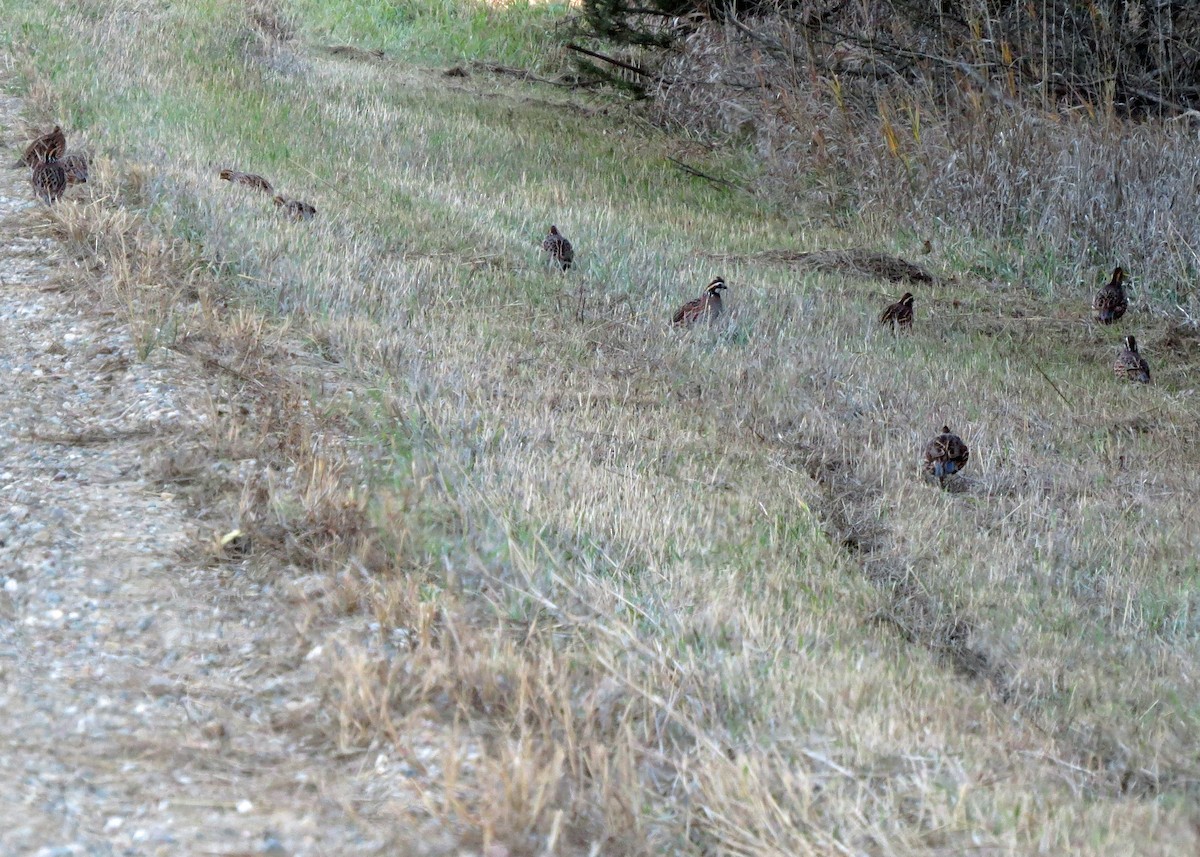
(692, 171)
(610, 60)
(521, 74)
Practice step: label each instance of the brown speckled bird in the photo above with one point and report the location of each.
(1130, 364)
(559, 249)
(946, 454)
(49, 180)
(1110, 303)
(248, 179)
(707, 306)
(294, 209)
(899, 314)
(75, 165)
(48, 147)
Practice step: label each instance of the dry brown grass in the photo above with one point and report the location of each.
(585, 585)
(1017, 191)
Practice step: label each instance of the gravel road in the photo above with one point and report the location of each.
(150, 702)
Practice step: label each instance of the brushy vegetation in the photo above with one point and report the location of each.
(1005, 124)
(589, 585)
(1136, 57)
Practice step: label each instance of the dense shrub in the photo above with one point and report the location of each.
(1049, 141)
(1135, 56)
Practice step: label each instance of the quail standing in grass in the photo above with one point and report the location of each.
(899, 314)
(1110, 302)
(945, 455)
(559, 249)
(48, 147)
(75, 165)
(706, 307)
(294, 209)
(49, 180)
(248, 179)
(1130, 364)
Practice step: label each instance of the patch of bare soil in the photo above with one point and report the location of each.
(155, 701)
(351, 52)
(855, 261)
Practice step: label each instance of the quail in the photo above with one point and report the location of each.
(294, 209)
(559, 249)
(899, 314)
(1110, 302)
(75, 165)
(248, 179)
(1130, 364)
(945, 455)
(48, 147)
(49, 180)
(707, 306)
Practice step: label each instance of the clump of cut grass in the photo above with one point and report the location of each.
(590, 585)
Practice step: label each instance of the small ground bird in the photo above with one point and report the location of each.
(945, 455)
(48, 147)
(294, 209)
(75, 165)
(49, 180)
(247, 179)
(707, 306)
(559, 249)
(1110, 302)
(899, 314)
(1130, 364)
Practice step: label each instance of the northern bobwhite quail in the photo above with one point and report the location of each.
(946, 454)
(75, 165)
(707, 306)
(1130, 364)
(48, 147)
(1110, 303)
(49, 180)
(248, 179)
(559, 249)
(294, 209)
(899, 314)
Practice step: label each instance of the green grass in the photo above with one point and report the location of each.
(511, 33)
(690, 586)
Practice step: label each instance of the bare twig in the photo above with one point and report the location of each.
(1050, 382)
(692, 171)
(610, 60)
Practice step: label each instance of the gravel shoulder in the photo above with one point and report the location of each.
(150, 698)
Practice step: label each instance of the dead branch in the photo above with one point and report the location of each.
(610, 60)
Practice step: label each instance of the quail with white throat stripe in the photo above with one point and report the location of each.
(1131, 365)
(899, 314)
(706, 307)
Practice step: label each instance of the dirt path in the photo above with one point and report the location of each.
(147, 699)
